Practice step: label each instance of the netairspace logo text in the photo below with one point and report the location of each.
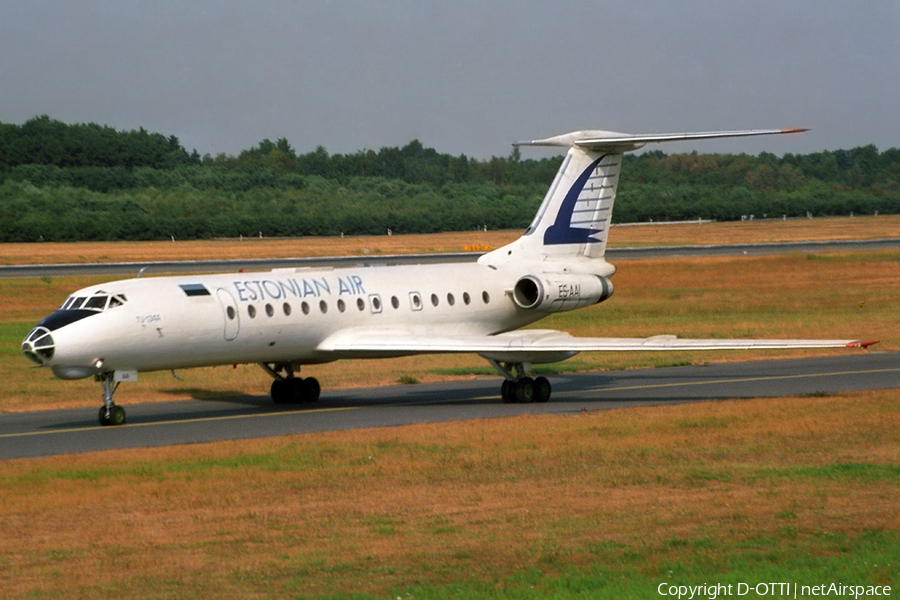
(711, 591)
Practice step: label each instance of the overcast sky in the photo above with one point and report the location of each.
(467, 76)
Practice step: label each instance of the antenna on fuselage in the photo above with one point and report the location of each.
(141, 272)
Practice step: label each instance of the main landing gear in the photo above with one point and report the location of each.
(517, 387)
(110, 413)
(288, 389)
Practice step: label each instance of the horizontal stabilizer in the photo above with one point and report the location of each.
(613, 141)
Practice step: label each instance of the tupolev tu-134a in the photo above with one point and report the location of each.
(286, 318)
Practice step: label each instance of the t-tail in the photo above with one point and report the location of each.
(572, 224)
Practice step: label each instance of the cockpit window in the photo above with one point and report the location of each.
(98, 302)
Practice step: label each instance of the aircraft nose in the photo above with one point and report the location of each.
(39, 346)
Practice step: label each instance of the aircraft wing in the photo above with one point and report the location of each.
(542, 345)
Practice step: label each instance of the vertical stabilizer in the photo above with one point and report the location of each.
(573, 220)
(572, 224)
(582, 206)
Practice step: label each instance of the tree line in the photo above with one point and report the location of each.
(90, 182)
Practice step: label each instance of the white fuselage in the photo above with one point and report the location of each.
(281, 315)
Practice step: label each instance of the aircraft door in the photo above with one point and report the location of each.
(231, 314)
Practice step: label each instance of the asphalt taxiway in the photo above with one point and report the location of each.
(52, 432)
(136, 269)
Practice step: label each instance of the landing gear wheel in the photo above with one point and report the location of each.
(508, 391)
(310, 390)
(281, 391)
(116, 416)
(542, 389)
(525, 390)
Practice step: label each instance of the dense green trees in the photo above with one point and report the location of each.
(82, 182)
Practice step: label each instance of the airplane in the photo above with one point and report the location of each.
(285, 319)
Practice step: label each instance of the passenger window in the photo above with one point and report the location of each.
(395, 302)
(485, 297)
(434, 300)
(451, 300)
(323, 306)
(287, 309)
(231, 313)
(269, 310)
(375, 303)
(304, 307)
(466, 298)
(251, 310)
(360, 304)
(341, 305)
(415, 300)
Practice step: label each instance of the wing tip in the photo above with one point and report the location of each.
(795, 130)
(862, 344)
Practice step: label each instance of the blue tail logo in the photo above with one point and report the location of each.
(562, 231)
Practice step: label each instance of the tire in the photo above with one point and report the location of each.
(542, 389)
(310, 390)
(525, 390)
(508, 391)
(280, 391)
(117, 416)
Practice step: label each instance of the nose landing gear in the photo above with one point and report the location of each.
(110, 413)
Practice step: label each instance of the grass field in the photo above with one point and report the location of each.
(600, 505)
(603, 505)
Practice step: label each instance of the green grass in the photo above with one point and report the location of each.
(11, 336)
(849, 473)
(872, 558)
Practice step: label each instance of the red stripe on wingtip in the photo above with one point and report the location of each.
(862, 343)
(795, 130)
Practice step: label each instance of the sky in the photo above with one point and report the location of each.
(464, 77)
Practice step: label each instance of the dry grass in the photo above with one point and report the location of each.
(93, 252)
(757, 232)
(858, 228)
(375, 511)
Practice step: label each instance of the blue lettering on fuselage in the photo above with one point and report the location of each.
(351, 285)
(253, 290)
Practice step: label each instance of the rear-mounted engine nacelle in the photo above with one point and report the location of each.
(558, 292)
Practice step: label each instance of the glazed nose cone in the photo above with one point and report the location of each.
(39, 346)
